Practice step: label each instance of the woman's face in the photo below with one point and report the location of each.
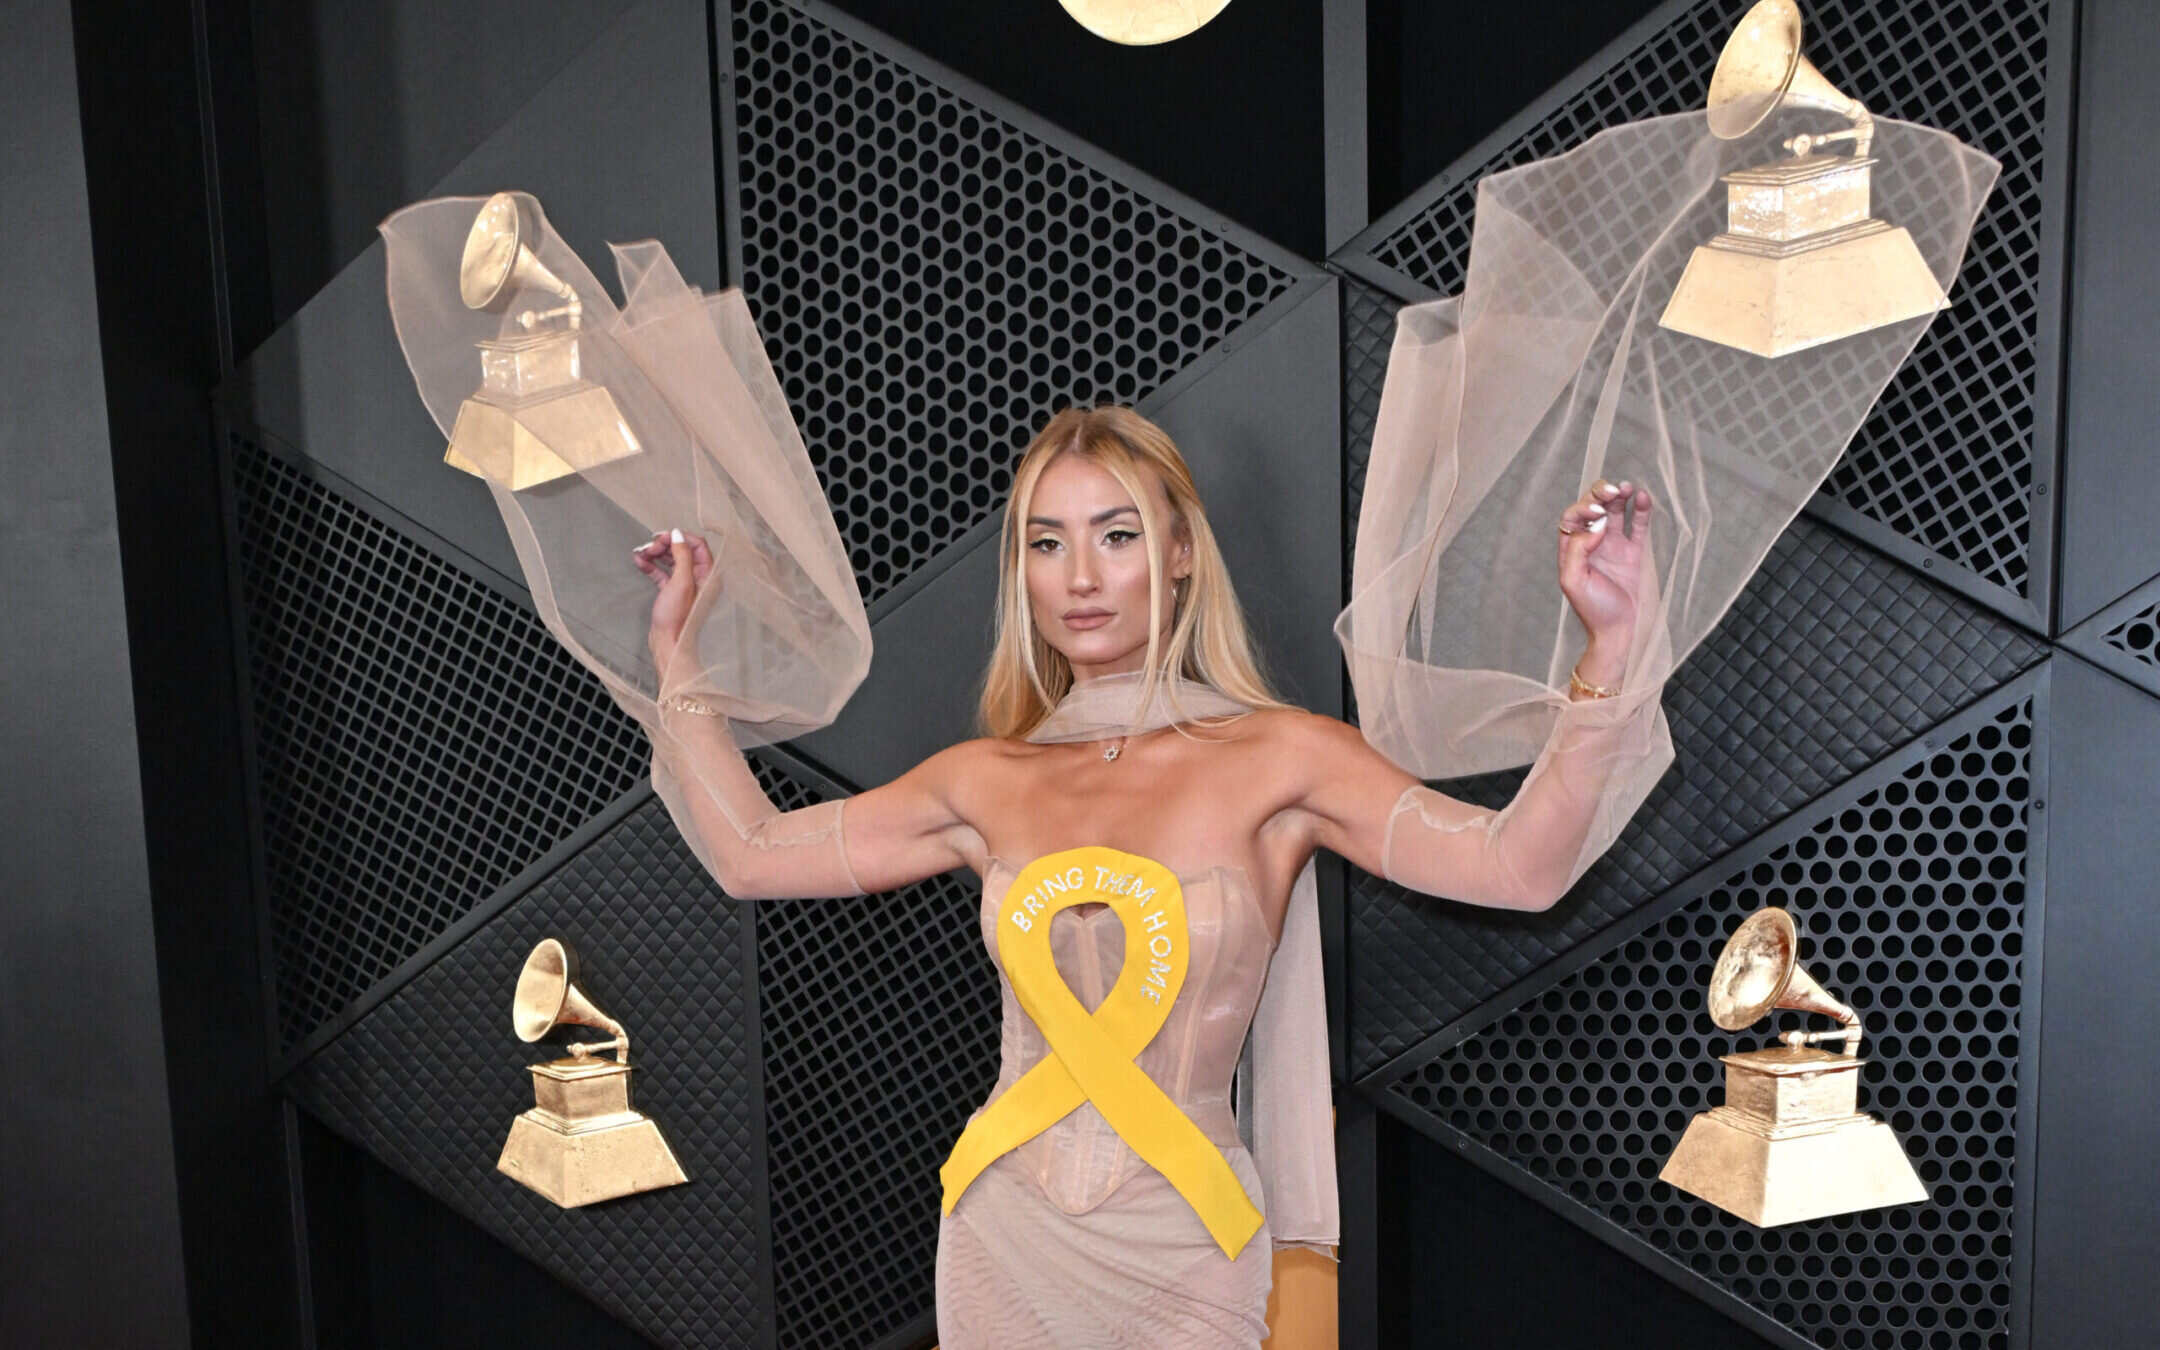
(1087, 566)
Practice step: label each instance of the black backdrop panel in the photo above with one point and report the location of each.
(1832, 657)
(933, 280)
(2112, 403)
(2095, 1214)
(1947, 463)
(429, 1082)
(1910, 891)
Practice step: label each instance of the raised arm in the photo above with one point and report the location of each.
(887, 837)
(1526, 855)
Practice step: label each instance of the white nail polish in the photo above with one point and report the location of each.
(1594, 509)
(674, 536)
(1597, 526)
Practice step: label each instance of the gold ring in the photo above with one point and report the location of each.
(1565, 530)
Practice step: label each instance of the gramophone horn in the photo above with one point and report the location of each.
(496, 258)
(1759, 972)
(548, 995)
(1761, 68)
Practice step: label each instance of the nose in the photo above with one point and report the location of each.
(1080, 576)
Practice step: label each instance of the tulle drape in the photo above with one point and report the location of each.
(782, 640)
(1548, 372)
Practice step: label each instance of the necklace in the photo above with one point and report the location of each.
(1110, 754)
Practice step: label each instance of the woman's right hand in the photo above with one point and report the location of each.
(678, 565)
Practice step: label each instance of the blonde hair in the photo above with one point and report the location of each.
(1208, 640)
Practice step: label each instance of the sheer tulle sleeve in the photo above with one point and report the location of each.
(1549, 371)
(777, 639)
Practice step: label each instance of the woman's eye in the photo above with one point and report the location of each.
(1043, 545)
(1118, 537)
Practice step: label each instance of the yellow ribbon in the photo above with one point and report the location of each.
(1091, 1054)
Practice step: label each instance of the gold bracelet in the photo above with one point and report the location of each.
(680, 703)
(1578, 685)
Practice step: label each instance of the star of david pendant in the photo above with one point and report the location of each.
(1112, 752)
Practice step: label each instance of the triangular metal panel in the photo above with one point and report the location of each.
(1916, 889)
(430, 1080)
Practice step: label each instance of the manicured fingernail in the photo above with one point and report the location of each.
(639, 551)
(674, 536)
(1594, 509)
(1597, 526)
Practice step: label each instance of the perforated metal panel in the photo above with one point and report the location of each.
(932, 282)
(881, 1036)
(430, 1081)
(1911, 900)
(1368, 324)
(1832, 657)
(1946, 460)
(2138, 636)
(419, 738)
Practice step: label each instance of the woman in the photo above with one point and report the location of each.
(1126, 709)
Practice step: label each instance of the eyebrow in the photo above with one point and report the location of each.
(1098, 518)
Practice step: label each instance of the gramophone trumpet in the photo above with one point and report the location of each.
(497, 259)
(549, 996)
(1790, 1142)
(1762, 69)
(1759, 972)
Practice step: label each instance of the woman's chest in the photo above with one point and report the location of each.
(1190, 806)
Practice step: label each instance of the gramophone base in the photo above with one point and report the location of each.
(535, 440)
(579, 1163)
(1773, 301)
(1771, 1176)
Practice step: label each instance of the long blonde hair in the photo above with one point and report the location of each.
(1208, 639)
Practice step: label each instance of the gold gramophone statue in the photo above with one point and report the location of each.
(582, 1141)
(535, 417)
(1790, 1142)
(1801, 261)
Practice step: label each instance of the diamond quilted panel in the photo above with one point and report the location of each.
(1831, 658)
(933, 282)
(386, 683)
(881, 1036)
(430, 1081)
(1910, 897)
(1946, 459)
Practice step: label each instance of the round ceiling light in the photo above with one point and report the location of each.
(1142, 23)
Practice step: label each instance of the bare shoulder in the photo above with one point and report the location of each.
(969, 757)
(1297, 729)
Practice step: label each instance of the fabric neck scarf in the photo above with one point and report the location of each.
(1109, 706)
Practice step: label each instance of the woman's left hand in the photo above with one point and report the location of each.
(1603, 550)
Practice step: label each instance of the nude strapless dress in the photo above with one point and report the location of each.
(1071, 1241)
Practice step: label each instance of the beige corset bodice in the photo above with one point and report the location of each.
(1080, 1161)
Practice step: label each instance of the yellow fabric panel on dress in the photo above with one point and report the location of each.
(1091, 1054)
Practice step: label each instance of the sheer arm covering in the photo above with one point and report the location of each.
(1547, 373)
(777, 639)
(1285, 1098)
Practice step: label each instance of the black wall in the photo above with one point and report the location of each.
(90, 1212)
